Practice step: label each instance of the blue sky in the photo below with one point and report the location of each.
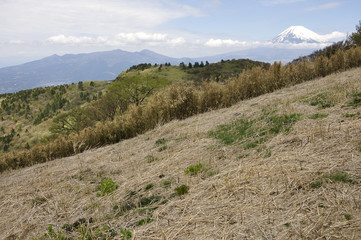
(32, 29)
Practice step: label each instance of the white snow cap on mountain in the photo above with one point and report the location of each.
(300, 34)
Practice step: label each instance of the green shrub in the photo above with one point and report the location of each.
(125, 234)
(162, 148)
(151, 158)
(106, 187)
(160, 141)
(149, 186)
(194, 169)
(181, 190)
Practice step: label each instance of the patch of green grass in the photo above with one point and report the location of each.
(107, 186)
(162, 148)
(318, 116)
(322, 100)
(287, 224)
(167, 183)
(212, 173)
(181, 190)
(160, 141)
(125, 234)
(359, 148)
(316, 184)
(332, 178)
(347, 216)
(151, 158)
(356, 100)
(250, 133)
(146, 220)
(339, 177)
(149, 186)
(38, 201)
(351, 115)
(146, 201)
(193, 169)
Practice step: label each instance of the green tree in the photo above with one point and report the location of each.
(135, 89)
(355, 37)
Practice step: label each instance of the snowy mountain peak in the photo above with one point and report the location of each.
(298, 34)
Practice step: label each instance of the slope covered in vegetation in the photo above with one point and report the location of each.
(177, 101)
(284, 165)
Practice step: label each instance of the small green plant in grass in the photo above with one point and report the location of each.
(125, 234)
(323, 100)
(351, 115)
(356, 100)
(316, 184)
(339, 177)
(359, 148)
(318, 116)
(162, 148)
(107, 186)
(181, 190)
(212, 173)
(166, 183)
(332, 178)
(151, 158)
(146, 220)
(38, 201)
(193, 169)
(146, 201)
(287, 224)
(149, 186)
(52, 235)
(347, 216)
(160, 141)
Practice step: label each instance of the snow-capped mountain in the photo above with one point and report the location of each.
(298, 34)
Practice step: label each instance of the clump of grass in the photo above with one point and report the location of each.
(332, 178)
(194, 169)
(38, 201)
(162, 148)
(166, 183)
(107, 186)
(318, 116)
(125, 234)
(181, 190)
(146, 201)
(356, 100)
(316, 184)
(351, 115)
(347, 216)
(160, 141)
(339, 177)
(149, 186)
(283, 122)
(151, 158)
(146, 220)
(322, 100)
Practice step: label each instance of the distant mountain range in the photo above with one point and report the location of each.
(70, 68)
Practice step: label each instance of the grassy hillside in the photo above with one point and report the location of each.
(27, 115)
(284, 165)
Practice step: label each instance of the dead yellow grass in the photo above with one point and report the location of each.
(251, 197)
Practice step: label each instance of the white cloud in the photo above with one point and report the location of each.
(88, 16)
(121, 39)
(334, 36)
(228, 43)
(325, 6)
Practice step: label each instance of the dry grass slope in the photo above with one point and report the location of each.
(301, 184)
